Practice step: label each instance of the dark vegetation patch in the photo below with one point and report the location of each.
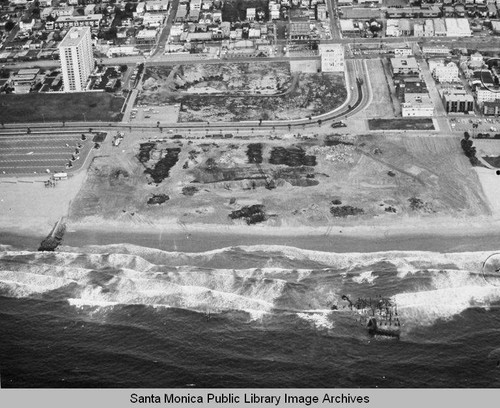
(236, 10)
(330, 141)
(469, 150)
(345, 211)
(493, 161)
(254, 153)
(99, 137)
(145, 151)
(59, 107)
(292, 156)
(390, 209)
(401, 124)
(162, 168)
(158, 199)
(190, 190)
(251, 214)
(336, 202)
(416, 204)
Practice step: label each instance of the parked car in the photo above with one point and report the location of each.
(338, 124)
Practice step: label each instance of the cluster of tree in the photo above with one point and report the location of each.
(469, 149)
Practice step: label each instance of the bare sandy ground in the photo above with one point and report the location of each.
(27, 206)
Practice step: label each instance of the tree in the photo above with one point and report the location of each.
(9, 25)
(123, 68)
(320, 122)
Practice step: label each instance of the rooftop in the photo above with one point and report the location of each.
(74, 36)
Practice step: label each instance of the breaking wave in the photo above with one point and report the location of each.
(258, 280)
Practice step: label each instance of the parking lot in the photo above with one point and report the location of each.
(37, 153)
(484, 125)
(162, 113)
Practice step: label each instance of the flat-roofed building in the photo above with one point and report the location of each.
(93, 20)
(418, 30)
(458, 100)
(77, 58)
(417, 106)
(332, 57)
(457, 27)
(146, 37)
(439, 28)
(429, 28)
(404, 66)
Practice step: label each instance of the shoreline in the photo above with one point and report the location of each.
(435, 234)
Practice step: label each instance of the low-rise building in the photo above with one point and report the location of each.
(403, 52)
(458, 100)
(146, 37)
(439, 28)
(457, 27)
(332, 57)
(392, 29)
(491, 108)
(418, 30)
(404, 66)
(444, 72)
(428, 28)
(93, 20)
(487, 95)
(417, 106)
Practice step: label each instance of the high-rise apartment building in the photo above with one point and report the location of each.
(77, 58)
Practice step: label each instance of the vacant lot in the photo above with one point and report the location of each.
(235, 79)
(401, 124)
(259, 91)
(282, 183)
(45, 107)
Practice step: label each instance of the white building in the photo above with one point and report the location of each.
(457, 27)
(418, 30)
(439, 28)
(153, 20)
(332, 57)
(392, 29)
(428, 28)
(417, 105)
(476, 60)
(485, 95)
(77, 58)
(403, 52)
(446, 73)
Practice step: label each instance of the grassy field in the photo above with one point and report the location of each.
(401, 124)
(48, 107)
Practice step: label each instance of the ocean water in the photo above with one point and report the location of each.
(126, 316)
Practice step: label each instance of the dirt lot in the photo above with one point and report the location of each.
(227, 182)
(235, 79)
(259, 91)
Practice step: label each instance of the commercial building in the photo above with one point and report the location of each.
(404, 66)
(457, 27)
(444, 72)
(417, 106)
(77, 58)
(332, 57)
(491, 108)
(486, 95)
(92, 20)
(458, 100)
